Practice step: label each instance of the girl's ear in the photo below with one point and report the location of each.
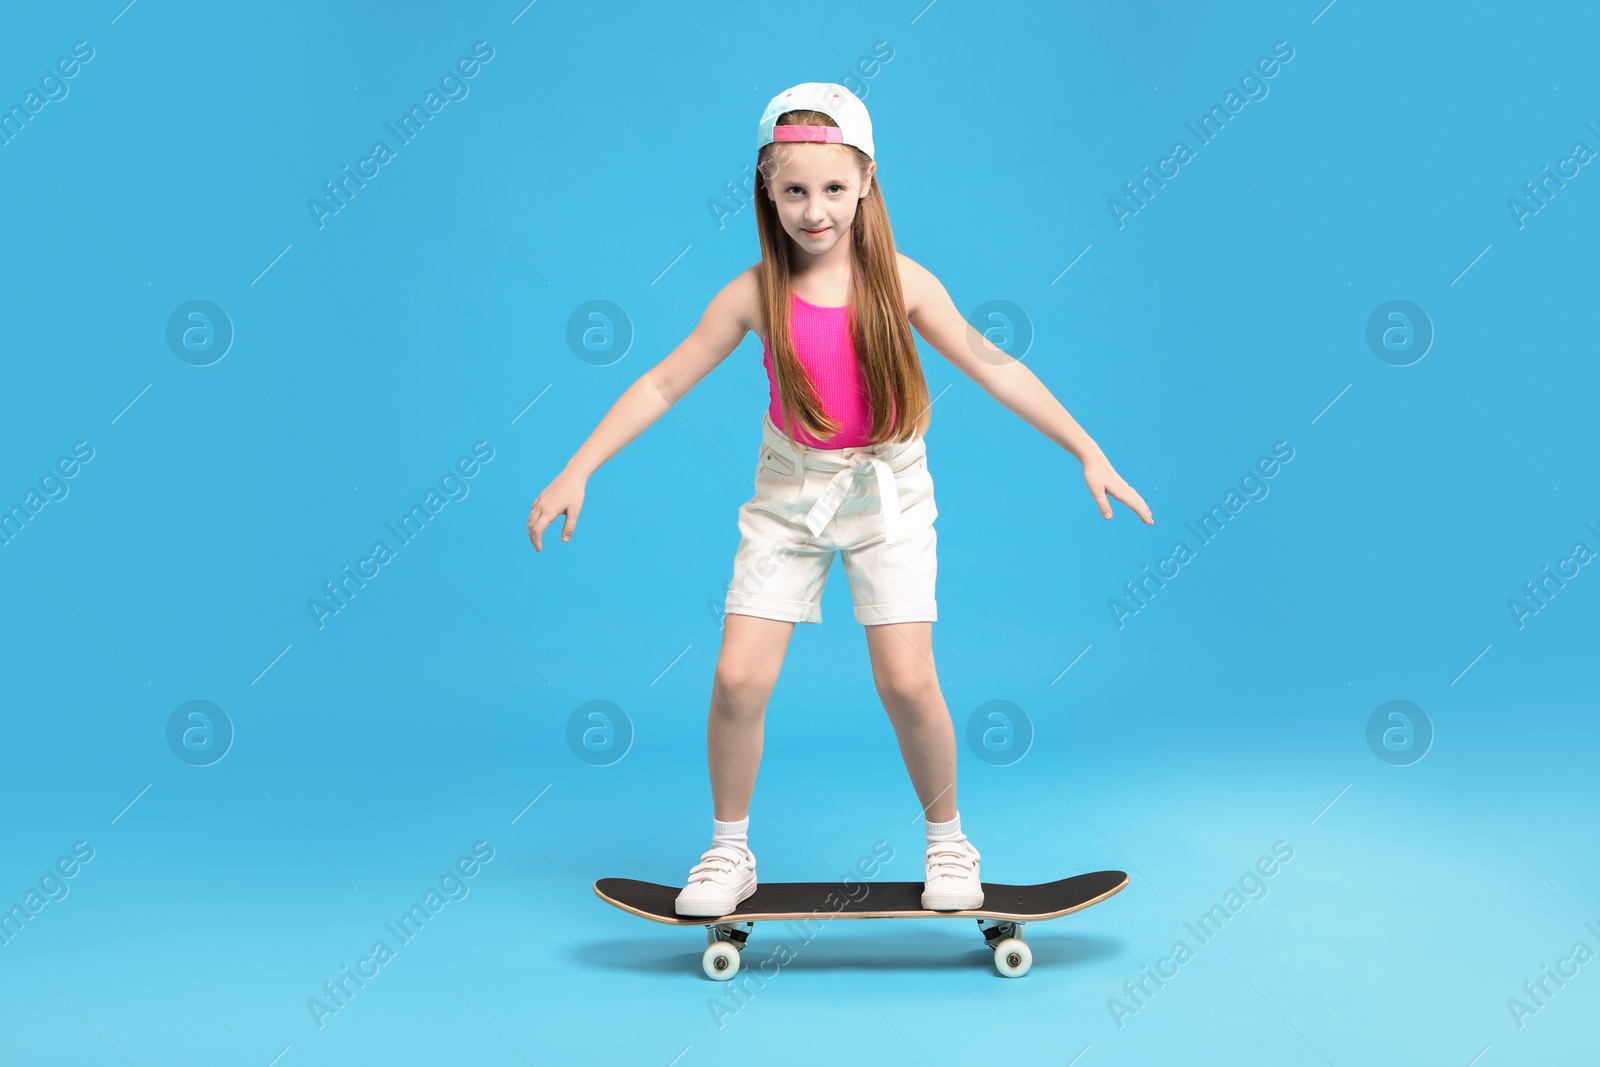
(866, 186)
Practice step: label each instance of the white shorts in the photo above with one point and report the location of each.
(873, 504)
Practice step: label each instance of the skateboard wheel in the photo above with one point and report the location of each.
(720, 961)
(1012, 957)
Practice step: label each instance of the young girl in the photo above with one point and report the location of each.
(843, 469)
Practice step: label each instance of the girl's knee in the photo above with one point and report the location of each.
(741, 688)
(914, 688)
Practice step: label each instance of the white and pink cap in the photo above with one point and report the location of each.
(834, 101)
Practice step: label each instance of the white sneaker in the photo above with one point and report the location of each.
(724, 877)
(952, 883)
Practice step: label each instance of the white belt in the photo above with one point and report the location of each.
(861, 466)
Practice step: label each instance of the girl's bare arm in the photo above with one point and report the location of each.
(1016, 387)
(731, 314)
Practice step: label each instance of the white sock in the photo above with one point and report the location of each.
(731, 833)
(945, 831)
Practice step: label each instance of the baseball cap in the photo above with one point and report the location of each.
(834, 101)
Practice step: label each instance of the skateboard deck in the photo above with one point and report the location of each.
(1005, 909)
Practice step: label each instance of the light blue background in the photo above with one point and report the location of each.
(1230, 313)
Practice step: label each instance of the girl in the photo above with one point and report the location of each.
(843, 468)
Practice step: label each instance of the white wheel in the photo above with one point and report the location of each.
(1012, 957)
(720, 961)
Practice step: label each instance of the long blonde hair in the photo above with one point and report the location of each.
(879, 329)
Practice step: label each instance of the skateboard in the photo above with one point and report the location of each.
(1005, 909)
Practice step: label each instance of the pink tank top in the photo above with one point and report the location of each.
(821, 339)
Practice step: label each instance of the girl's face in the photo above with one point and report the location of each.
(816, 189)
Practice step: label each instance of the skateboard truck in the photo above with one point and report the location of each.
(728, 932)
(724, 943)
(1012, 956)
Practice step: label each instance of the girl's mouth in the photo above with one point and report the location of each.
(815, 233)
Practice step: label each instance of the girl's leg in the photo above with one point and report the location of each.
(902, 669)
(747, 669)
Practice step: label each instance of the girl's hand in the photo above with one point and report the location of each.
(564, 496)
(1102, 478)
